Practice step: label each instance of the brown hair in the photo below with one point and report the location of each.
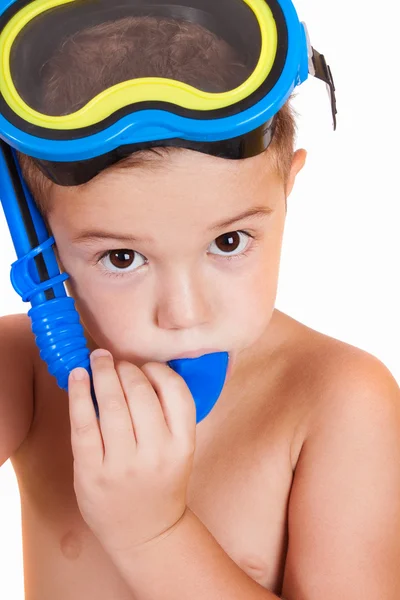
(101, 56)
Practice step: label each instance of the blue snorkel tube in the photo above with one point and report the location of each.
(59, 335)
(36, 276)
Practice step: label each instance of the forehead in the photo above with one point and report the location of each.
(185, 185)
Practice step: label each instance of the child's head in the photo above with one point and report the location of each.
(174, 281)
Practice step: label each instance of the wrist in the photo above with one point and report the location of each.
(144, 550)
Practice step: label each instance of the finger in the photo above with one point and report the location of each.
(144, 405)
(115, 419)
(86, 440)
(176, 400)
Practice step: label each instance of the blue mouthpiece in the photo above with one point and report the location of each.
(205, 377)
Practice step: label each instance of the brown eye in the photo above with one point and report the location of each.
(122, 260)
(232, 243)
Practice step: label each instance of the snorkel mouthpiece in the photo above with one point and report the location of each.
(205, 377)
(72, 145)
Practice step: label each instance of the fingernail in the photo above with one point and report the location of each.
(78, 374)
(100, 352)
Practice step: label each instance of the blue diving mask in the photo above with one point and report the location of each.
(73, 143)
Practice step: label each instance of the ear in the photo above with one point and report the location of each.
(298, 162)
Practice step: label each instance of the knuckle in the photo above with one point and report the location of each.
(153, 368)
(160, 369)
(156, 461)
(131, 471)
(187, 448)
(137, 388)
(184, 451)
(179, 453)
(152, 365)
(177, 383)
(131, 375)
(82, 429)
(138, 382)
(101, 480)
(126, 366)
(113, 402)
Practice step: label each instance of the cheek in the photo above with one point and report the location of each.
(110, 304)
(111, 314)
(252, 300)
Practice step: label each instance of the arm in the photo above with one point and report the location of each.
(189, 564)
(131, 471)
(344, 514)
(16, 383)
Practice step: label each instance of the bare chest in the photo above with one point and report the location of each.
(241, 494)
(239, 488)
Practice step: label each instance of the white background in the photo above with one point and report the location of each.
(341, 253)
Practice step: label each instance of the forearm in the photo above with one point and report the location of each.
(188, 564)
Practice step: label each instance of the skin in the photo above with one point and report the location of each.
(294, 482)
(176, 302)
(132, 468)
(172, 301)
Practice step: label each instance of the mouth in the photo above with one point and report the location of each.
(198, 353)
(194, 354)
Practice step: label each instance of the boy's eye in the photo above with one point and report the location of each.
(231, 243)
(122, 260)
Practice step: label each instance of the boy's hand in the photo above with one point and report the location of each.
(131, 468)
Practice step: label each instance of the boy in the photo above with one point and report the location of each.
(290, 487)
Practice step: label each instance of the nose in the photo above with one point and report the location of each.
(184, 302)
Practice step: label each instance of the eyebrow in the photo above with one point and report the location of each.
(92, 235)
(256, 211)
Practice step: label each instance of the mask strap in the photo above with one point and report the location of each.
(323, 72)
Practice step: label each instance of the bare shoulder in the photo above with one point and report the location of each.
(334, 379)
(344, 514)
(16, 330)
(16, 322)
(17, 342)
(17, 357)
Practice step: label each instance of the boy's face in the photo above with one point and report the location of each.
(168, 281)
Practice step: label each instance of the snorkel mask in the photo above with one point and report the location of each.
(75, 145)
